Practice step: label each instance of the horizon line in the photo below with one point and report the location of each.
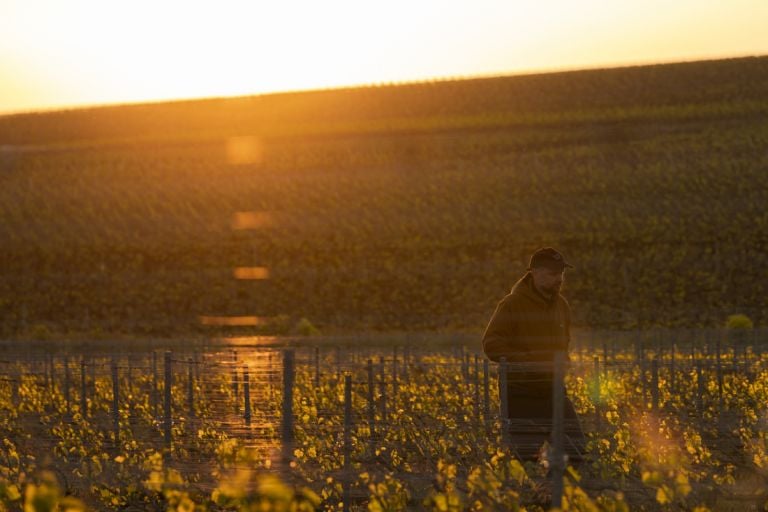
(75, 107)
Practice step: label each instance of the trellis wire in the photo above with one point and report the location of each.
(205, 373)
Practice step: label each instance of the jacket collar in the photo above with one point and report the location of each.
(524, 288)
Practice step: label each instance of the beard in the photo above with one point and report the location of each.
(551, 290)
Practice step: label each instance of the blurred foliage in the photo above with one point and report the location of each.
(739, 321)
(427, 447)
(402, 207)
(305, 328)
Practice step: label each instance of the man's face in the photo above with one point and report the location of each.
(548, 280)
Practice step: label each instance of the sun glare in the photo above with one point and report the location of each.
(88, 52)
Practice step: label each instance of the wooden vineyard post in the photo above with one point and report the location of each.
(394, 378)
(503, 403)
(672, 369)
(288, 380)
(129, 363)
(15, 381)
(246, 396)
(67, 398)
(168, 377)
(557, 460)
(655, 386)
(406, 364)
(486, 394)
(383, 390)
(699, 390)
(115, 402)
(191, 388)
(317, 367)
(130, 392)
(235, 389)
(337, 357)
(719, 373)
(53, 371)
(371, 407)
(643, 383)
(50, 374)
(745, 359)
(154, 397)
(83, 390)
(347, 440)
(92, 371)
(476, 382)
(596, 394)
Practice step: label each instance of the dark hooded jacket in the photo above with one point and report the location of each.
(527, 328)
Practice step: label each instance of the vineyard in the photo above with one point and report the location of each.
(674, 420)
(392, 208)
(160, 264)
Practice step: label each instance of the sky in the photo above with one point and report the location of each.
(58, 54)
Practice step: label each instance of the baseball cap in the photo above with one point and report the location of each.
(548, 257)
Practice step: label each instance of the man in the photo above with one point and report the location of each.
(529, 325)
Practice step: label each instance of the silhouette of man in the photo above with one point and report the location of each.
(529, 326)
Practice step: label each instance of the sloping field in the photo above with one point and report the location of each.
(399, 207)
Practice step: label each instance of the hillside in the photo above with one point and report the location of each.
(393, 208)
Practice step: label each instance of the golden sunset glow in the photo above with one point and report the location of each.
(83, 52)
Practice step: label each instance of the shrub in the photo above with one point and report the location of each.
(739, 321)
(305, 328)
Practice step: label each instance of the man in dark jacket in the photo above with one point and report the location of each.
(529, 326)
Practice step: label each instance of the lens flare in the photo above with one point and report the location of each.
(251, 273)
(244, 150)
(251, 220)
(234, 321)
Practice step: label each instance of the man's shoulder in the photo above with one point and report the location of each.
(513, 300)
